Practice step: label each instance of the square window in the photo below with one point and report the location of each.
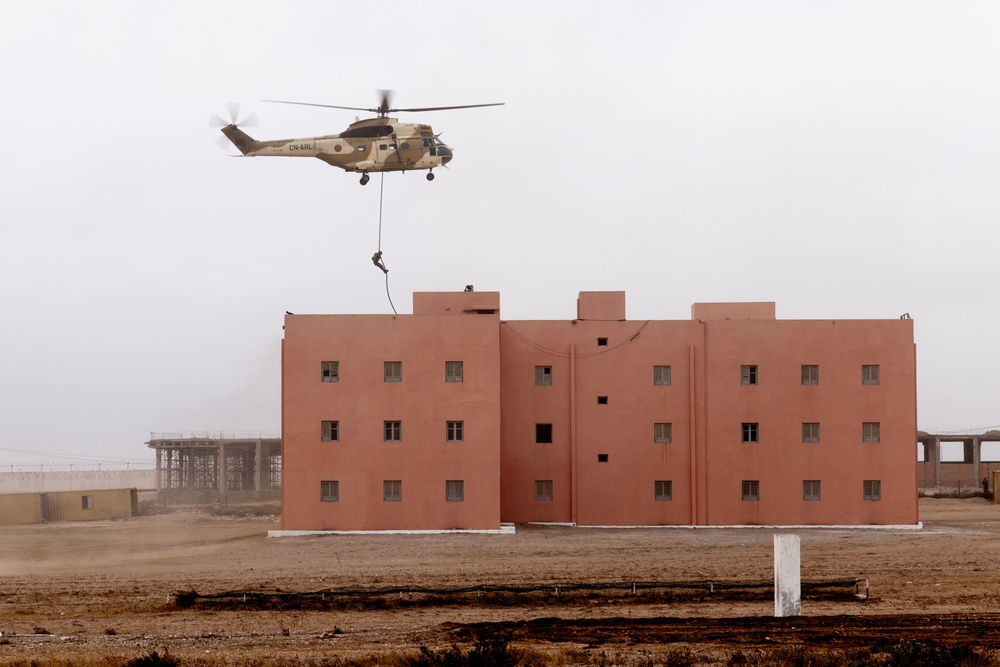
(661, 376)
(454, 371)
(662, 432)
(869, 374)
(543, 433)
(663, 489)
(750, 432)
(602, 342)
(748, 375)
(810, 432)
(543, 489)
(456, 432)
(602, 458)
(602, 400)
(871, 432)
(393, 371)
(751, 489)
(810, 489)
(393, 431)
(330, 431)
(543, 376)
(329, 491)
(330, 371)
(392, 490)
(87, 502)
(873, 489)
(454, 491)
(810, 374)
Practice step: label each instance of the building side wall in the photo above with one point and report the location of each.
(16, 508)
(587, 489)
(106, 504)
(779, 404)
(361, 401)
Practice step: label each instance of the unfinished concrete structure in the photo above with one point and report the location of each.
(206, 468)
(968, 473)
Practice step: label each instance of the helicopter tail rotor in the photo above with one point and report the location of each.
(234, 116)
(230, 123)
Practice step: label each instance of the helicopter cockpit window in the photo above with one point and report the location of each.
(427, 142)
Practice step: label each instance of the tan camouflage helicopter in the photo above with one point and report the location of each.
(370, 145)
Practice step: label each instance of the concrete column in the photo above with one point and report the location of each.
(787, 576)
(976, 458)
(159, 469)
(223, 470)
(936, 454)
(258, 484)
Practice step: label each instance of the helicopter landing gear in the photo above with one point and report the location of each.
(364, 179)
(430, 175)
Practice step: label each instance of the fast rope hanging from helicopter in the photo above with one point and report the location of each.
(377, 257)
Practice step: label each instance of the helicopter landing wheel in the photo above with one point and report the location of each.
(364, 179)
(430, 175)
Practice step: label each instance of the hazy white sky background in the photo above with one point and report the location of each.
(839, 158)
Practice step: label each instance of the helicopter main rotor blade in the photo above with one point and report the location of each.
(326, 106)
(461, 106)
(383, 110)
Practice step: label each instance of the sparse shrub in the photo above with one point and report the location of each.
(490, 650)
(38, 630)
(110, 631)
(153, 659)
(919, 654)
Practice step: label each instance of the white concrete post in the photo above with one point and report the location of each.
(787, 576)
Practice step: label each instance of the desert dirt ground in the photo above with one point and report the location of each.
(90, 593)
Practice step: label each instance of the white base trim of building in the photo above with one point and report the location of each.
(504, 529)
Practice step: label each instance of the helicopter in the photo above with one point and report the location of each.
(371, 145)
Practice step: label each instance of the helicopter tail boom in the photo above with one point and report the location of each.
(243, 141)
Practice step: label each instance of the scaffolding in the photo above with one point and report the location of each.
(216, 467)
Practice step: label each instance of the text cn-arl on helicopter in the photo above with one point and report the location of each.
(371, 145)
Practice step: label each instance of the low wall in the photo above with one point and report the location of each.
(46, 482)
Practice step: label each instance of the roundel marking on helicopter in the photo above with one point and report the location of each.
(338, 148)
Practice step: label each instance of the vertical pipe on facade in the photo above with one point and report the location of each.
(692, 436)
(572, 431)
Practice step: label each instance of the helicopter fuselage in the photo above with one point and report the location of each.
(370, 145)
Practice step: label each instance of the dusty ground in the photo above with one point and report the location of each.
(105, 589)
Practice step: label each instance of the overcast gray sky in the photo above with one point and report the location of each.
(838, 158)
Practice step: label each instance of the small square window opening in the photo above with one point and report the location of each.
(392, 490)
(751, 489)
(871, 432)
(329, 491)
(750, 432)
(661, 376)
(393, 371)
(873, 489)
(748, 375)
(456, 432)
(810, 432)
(454, 371)
(869, 374)
(810, 375)
(393, 431)
(330, 431)
(454, 490)
(543, 376)
(663, 490)
(543, 433)
(810, 489)
(663, 432)
(543, 489)
(330, 371)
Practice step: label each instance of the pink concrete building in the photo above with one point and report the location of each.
(451, 418)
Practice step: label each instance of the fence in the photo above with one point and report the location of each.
(541, 594)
